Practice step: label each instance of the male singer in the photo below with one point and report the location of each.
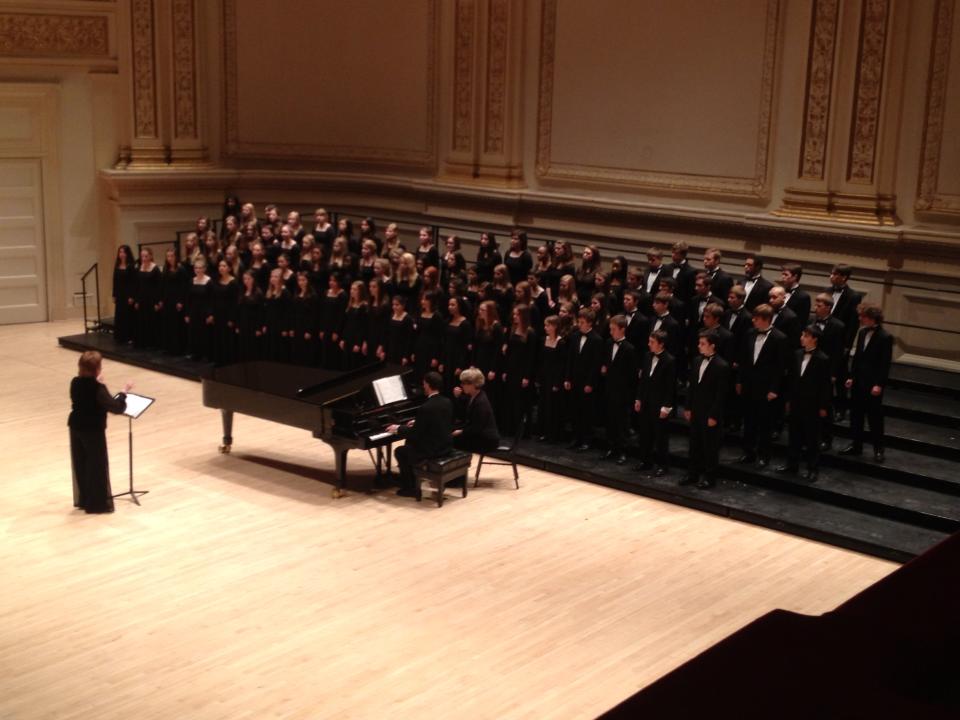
(760, 375)
(706, 392)
(656, 398)
(869, 371)
(619, 371)
(583, 373)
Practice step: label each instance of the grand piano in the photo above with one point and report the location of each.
(340, 408)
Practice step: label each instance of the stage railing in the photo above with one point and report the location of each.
(88, 323)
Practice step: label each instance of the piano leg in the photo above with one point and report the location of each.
(340, 460)
(227, 417)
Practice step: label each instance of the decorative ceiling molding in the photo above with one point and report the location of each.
(144, 70)
(237, 147)
(59, 36)
(755, 187)
(816, 112)
(928, 196)
(871, 55)
(184, 70)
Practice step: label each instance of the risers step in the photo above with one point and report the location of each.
(902, 466)
(910, 404)
(929, 380)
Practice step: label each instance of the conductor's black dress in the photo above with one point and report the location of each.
(88, 443)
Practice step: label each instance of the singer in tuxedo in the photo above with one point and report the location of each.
(682, 272)
(720, 281)
(869, 371)
(619, 371)
(656, 398)
(638, 324)
(797, 300)
(756, 287)
(832, 333)
(88, 440)
(759, 382)
(583, 375)
(478, 427)
(808, 402)
(706, 393)
(784, 318)
(428, 435)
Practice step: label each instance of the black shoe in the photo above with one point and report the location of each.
(746, 458)
(573, 445)
(788, 468)
(643, 467)
(608, 455)
(582, 448)
(775, 435)
(852, 450)
(811, 475)
(622, 459)
(762, 463)
(407, 492)
(660, 472)
(706, 483)
(688, 480)
(825, 446)
(542, 438)
(878, 456)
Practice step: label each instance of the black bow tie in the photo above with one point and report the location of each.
(809, 352)
(617, 342)
(762, 332)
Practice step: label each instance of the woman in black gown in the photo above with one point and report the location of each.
(250, 319)
(501, 291)
(124, 295)
(520, 355)
(518, 259)
(407, 282)
(488, 257)
(400, 333)
(551, 370)
(378, 317)
(305, 326)
(197, 315)
(172, 297)
(88, 441)
(488, 348)
(457, 343)
(276, 329)
(331, 327)
(428, 345)
(146, 306)
(224, 292)
(355, 326)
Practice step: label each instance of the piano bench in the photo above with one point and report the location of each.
(442, 471)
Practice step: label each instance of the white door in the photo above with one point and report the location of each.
(23, 291)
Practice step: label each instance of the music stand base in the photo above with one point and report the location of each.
(133, 494)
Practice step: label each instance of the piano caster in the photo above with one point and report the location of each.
(224, 449)
(336, 493)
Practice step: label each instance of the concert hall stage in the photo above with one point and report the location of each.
(896, 510)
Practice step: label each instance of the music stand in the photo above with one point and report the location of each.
(136, 406)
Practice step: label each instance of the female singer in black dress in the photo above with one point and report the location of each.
(378, 318)
(287, 273)
(488, 347)
(518, 259)
(305, 313)
(147, 301)
(334, 309)
(590, 263)
(197, 315)
(488, 257)
(88, 441)
(368, 257)
(223, 297)
(427, 250)
(551, 369)
(172, 297)
(355, 326)
(276, 318)
(400, 333)
(124, 295)
(250, 319)
(428, 344)
(520, 355)
(457, 343)
(407, 283)
(501, 291)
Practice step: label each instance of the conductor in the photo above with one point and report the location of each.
(88, 441)
(429, 435)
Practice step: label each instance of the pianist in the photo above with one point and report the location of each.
(478, 432)
(429, 435)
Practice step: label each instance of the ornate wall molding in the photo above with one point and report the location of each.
(755, 187)
(144, 70)
(816, 112)
(184, 70)
(865, 127)
(498, 45)
(928, 198)
(237, 147)
(37, 35)
(463, 90)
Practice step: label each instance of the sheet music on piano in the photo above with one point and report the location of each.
(390, 389)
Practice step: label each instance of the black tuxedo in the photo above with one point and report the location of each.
(808, 393)
(429, 437)
(705, 401)
(799, 302)
(845, 310)
(720, 284)
(758, 377)
(787, 322)
(831, 344)
(685, 278)
(651, 280)
(656, 389)
(870, 367)
(619, 389)
(583, 370)
(739, 323)
(694, 312)
(638, 330)
(759, 293)
(480, 432)
(671, 327)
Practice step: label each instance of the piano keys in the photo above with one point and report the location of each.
(339, 408)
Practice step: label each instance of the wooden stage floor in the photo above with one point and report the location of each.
(240, 589)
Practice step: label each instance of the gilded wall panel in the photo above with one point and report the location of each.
(59, 36)
(816, 113)
(865, 126)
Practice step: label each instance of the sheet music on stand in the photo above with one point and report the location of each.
(390, 389)
(137, 405)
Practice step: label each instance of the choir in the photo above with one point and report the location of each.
(564, 348)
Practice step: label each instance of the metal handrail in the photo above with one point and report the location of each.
(83, 286)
